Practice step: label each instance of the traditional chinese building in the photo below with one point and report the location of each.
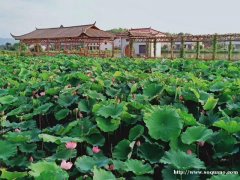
(140, 49)
(83, 37)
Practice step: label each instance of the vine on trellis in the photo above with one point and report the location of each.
(230, 50)
(214, 46)
(182, 52)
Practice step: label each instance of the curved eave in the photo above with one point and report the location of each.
(15, 37)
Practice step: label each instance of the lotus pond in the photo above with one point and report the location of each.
(70, 117)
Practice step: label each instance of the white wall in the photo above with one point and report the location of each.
(122, 43)
(158, 49)
(136, 47)
(106, 46)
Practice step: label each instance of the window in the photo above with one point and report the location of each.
(142, 49)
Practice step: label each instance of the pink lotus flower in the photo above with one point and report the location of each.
(189, 152)
(66, 165)
(111, 167)
(95, 149)
(17, 130)
(42, 93)
(71, 145)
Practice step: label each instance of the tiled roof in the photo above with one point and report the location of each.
(145, 32)
(66, 32)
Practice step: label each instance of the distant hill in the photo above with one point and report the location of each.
(3, 41)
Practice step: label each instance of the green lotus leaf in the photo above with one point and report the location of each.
(224, 144)
(138, 167)
(152, 90)
(62, 153)
(53, 91)
(119, 165)
(136, 132)
(210, 104)
(232, 126)
(62, 114)
(22, 125)
(188, 119)
(19, 161)
(226, 177)
(107, 125)
(177, 144)
(122, 150)
(7, 150)
(66, 100)
(142, 178)
(168, 173)
(100, 174)
(50, 175)
(49, 138)
(86, 163)
(134, 88)
(182, 161)
(95, 95)
(196, 134)
(21, 109)
(17, 137)
(95, 139)
(85, 105)
(9, 99)
(218, 86)
(12, 175)
(28, 148)
(151, 152)
(43, 109)
(189, 95)
(117, 74)
(163, 123)
(43, 167)
(111, 110)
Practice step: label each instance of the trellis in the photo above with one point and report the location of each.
(189, 38)
(71, 42)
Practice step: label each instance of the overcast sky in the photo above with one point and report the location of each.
(190, 16)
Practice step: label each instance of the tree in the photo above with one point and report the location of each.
(117, 30)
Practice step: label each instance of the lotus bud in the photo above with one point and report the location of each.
(134, 96)
(80, 115)
(31, 159)
(42, 93)
(181, 98)
(118, 100)
(85, 176)
(71, 145)
(96, 150)
(17, 130)
(111, 167)
(189, 151)
(201, 143)
(66, 165)
(138, 143)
